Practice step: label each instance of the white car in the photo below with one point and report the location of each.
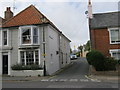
(72, 57)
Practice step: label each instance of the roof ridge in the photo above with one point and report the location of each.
(110, 12)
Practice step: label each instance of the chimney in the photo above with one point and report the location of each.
(8, 13)
(90, 15)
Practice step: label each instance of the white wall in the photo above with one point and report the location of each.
(0, 63)
(52, 48)
(65, 49)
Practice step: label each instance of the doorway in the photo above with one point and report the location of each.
(5, 64)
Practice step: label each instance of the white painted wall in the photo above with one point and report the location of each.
(65, 49)
(0, 63)
(52, 48)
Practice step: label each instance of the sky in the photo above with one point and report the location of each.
(68, 15)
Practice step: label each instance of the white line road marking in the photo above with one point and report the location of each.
(44, 80)
(54, 80)
(75, 80)
(93, 80)
(63, 80)
(84, 80)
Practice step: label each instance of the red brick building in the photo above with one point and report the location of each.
(105, 33)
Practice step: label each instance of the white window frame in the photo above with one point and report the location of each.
(31, 27)
(113, 50)
(3, 37)
(109, 29)
(19, 54)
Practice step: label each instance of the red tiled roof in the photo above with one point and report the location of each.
(28, 16)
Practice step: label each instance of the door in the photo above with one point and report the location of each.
(5, 64)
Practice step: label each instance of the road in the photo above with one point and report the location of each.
(72, 77)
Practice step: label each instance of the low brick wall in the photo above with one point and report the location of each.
(92, 71)
(27, 73)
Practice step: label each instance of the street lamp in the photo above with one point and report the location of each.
(43, 20)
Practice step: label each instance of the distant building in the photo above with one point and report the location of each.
(30, 38)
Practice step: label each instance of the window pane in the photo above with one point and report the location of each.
(35, 31)
(115, 35)
(4, 37)
(116, 55)
(35, 39)
(26, 36)
(29, 57)
(36, 57)
(22, 58)
(35, 35)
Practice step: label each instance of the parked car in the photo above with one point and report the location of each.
(72, 57)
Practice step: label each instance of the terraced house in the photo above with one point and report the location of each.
(105, 32)
(30, 38)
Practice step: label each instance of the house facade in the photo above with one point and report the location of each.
(30, 38)
(104, 31)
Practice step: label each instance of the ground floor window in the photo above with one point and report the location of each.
(29, 57)
(115, 54)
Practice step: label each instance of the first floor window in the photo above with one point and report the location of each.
(4, 37)
(114, 35)
(29, 35)
(29, 57)
(116, 54)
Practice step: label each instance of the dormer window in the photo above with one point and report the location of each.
(29, 35)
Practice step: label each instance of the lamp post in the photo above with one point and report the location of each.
(43, 19)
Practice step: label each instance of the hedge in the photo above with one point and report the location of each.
(25, 67)
(100, 62)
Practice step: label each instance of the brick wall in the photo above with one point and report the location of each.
(100, 41)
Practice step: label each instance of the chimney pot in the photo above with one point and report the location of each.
(8, 13)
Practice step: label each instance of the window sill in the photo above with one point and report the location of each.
(114, 43)
(28, 46)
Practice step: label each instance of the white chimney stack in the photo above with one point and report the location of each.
(90, 15)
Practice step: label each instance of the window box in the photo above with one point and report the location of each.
(27, 73)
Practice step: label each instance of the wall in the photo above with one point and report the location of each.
(64, 51)
(101, 42)
(0, 52)
(52, 47)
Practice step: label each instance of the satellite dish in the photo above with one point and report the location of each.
(86, 12)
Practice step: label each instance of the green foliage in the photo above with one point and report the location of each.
(70, 50)
(17, 67)
(119, 62)
(78, 54)
(100, 62)
(96, 59)
(27, 67)
(87, 46)
(110, 64)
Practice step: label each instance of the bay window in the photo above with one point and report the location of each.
(29, 57)
(29, 35)
(114, 35)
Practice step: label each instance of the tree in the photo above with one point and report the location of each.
(80, 48)
(70, 50)
(87, 46)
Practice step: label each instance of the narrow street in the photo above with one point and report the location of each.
(72, 77)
